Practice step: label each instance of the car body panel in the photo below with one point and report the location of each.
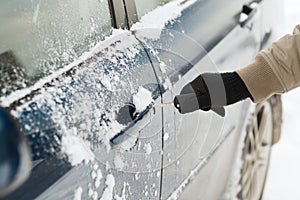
(179, 56)
(81, 110)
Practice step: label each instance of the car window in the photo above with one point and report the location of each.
(38, 37)
(143, 7)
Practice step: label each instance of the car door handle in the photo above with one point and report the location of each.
(247, 14)
(131, 132)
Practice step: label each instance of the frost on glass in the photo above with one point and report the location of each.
(46, 35)
(11, 70)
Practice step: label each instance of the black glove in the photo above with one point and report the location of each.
(211, 91)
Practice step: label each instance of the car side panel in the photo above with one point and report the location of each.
(194, 43)
(71, 121)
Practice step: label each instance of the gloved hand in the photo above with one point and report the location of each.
(193, 96)
(211, 91)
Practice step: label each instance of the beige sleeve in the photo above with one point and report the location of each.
(275, 70)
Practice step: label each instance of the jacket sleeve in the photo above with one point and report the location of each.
(275, 70)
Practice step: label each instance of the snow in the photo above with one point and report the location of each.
(137, 176)
(166, 136)
(162, 15)
(148, 148)
(118, 162)
(96, 166)
(109, 132)
(77, 194)
(93, 175)
(162, 67)
(95, 196)
(76, 149)
(110, 184)
(90, 192)
(106, 82)
(284, 175)
(98, 178)
(142, 99)
(167, 84)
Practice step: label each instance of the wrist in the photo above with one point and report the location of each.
(235, 88)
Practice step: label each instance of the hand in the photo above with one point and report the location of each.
(194, 96)
(212, 91)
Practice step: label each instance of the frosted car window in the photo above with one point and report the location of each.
(42, 36)
(143, 7)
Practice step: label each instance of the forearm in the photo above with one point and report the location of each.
(275, 70)
(260, 79)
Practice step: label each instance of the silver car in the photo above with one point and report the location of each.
(90, 85)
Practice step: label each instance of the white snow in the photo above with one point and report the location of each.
(90, 191)
(109, 132)
(98, 178)
(148, 148)
(137, 176)
(76, 149)
(96, 166)
(162, 67)
(118, 162)
(110, 184)
(27, 127)
(78, 193)
(95, 195)
(106, 82)
(167, 84)
(166, 136)
(284, 174)
(142, 99)
(162, 15)
(93, 175)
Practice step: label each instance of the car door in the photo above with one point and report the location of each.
(81, 103)
(185, 39)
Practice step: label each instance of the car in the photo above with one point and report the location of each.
(90, 85)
